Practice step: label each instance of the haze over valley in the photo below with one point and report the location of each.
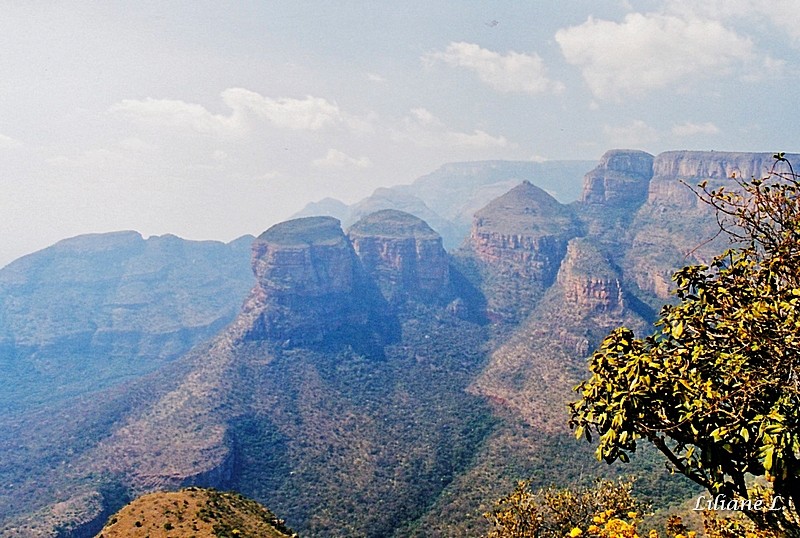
(349, 261)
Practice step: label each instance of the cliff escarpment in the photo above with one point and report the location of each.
(314, 283)
(590, 282)
(621, 178)
(402, 254)
(309, 284)
(674, 227)
(518, 241)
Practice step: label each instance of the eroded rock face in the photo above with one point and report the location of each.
(588, 280)
(307, 281)
(402, 254)
(674, 227)
(621, 178)
(716, 167)
(524, 232)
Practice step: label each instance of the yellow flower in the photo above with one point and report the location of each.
(598, 519)
(575, 532)
(593, 528)
(653, 533)
(679, 535)
(692, 534)
(632, 515)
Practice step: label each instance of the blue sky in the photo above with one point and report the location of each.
(215, 119)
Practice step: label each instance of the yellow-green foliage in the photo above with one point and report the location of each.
(555, 513)
(607, 510)
(715, 389)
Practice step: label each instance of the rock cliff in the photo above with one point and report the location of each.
(590, 283)
(524, 232)
(674, 227)
(620, 179)
(309, 283)
(402, 254)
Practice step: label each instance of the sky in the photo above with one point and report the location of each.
(211, 120)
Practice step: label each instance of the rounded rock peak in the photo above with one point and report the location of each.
(525, 209)
(304, 231)
(392, 223)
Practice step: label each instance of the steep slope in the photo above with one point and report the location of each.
(99, 309)
(403, 254)
(194, 513)
(516, 245)
(674, 228)
(322, 421)
(612, 192)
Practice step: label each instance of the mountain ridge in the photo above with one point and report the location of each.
(339, 387)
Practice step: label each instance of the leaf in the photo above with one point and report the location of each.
(677, 330)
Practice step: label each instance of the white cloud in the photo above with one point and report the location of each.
(634, 135)
(691, 129)
(374, 77)
(424, 129)
(175, 113)
(6, 142)
(134, 144)
(338, 159)
(648, 51)
(309, 114)
(782, 13)
(510, 73)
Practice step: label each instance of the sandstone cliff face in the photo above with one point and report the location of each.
(524, 232)
(716, 167)
(588, 280)
(621, 178)
(402, 254)
(674, 227)
(308, 282)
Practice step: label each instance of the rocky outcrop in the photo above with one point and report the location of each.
(309, 284)
(588, 280)
(620, 179)
(524, 232)
(674, 227)
(402, 254)
(718, 168)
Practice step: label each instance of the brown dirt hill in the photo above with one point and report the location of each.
(197, 513)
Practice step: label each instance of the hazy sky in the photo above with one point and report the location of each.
(213, 119)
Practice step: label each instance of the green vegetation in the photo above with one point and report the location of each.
(716, 389)
(554, 513)
(304, 231)
(393, 223)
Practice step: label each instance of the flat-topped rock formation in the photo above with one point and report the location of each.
(588, 279)
(402, 254)
(620, 178)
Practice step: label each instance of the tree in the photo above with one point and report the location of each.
(716, 389)
(555, 513)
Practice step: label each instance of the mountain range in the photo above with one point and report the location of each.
(370, 382)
